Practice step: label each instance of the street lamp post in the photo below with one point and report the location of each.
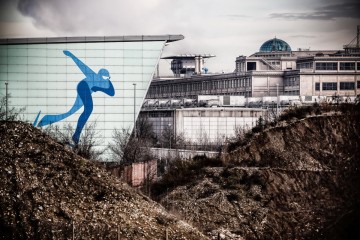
(277, 100)
(170, 133)
(134, 109)
(6, 101)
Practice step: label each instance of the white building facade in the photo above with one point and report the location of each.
(80, 80)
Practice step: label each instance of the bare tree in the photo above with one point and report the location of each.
(204, 140)
(150, 177)
(88, 143)
(145, 129)
(12, 113)
(169, 139)
(120, 140)
(219, 142)
(240, 132)
(128, 149)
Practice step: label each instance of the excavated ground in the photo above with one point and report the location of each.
(48, 192)
(299, 180)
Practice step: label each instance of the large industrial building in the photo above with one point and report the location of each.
(275, 70)
(275, 76)
(80, 80)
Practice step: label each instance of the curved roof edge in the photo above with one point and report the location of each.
(189, 56)
(130, 38)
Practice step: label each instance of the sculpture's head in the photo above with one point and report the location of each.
(104, 74)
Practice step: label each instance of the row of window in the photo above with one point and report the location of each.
(292, 93)
(304, 65)
(327, 86)
(159, 114)
(326, 66)
(330, 66)
(292, 81)
(200, 86)
(334, 66)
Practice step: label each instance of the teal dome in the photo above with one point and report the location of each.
(275, 45)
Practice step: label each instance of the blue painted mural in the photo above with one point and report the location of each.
(93, 82)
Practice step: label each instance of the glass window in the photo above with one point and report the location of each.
(17, 69)
(133, 61)
(17, 52)
(17, 60)
(306, 65)
(251, 66)
(38, 52)
(326, 66)
(347, 86)
(329, 86)
(3, 51)
(317, 86)
(131, 53)
(113, 53)
(358, 84)
(347, 66)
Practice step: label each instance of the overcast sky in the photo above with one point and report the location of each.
(225, 28)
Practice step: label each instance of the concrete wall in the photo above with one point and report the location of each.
(214, 124)
(265, 85)
(307, 84)
(165, 153)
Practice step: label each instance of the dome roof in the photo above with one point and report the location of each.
(275, 45)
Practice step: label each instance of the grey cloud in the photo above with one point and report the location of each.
(49, 13)
(236, 16)
(328, 12)
(302, 36)
(92, 16)
(6, 14)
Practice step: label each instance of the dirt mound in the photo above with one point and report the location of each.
(314, 143)
(295, 181)
(48, 192)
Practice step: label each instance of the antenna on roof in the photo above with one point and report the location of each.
(354, 46)
(357, 36)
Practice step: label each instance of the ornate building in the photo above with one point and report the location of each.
(274, 70)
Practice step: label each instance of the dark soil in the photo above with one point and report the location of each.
(297, 180)
(48, 192)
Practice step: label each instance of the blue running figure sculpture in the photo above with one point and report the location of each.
(92, 82)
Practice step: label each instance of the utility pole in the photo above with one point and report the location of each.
(277, 100)
(134, 109)
(157, 70)
(357, 36)
(6, 101)
(170, 134)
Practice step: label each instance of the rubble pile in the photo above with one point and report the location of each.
(295, 181)
(48, 192)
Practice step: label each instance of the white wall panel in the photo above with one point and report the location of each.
(42, 78)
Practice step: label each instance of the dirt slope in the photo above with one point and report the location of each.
(315, 143)
(47, 192)
(299, 180)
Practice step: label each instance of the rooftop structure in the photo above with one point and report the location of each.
(275, 45)
(92, 39)
(354, 46)
(188, 64)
